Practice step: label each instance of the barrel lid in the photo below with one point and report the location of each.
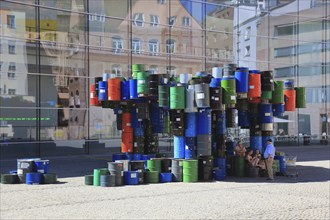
(255, 71)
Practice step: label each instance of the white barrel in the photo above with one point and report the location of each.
(217, 72)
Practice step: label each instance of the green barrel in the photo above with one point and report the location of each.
(164, 94)
(138, 68)
(229, 90)
(177, 97)
(278, 93)
(49, 178)
(97, 175)
(239, 166)
(154, 164)
(300, 97)
(266, 95)
(142, 83)
(151, 177)
(9, 178)
(190, 171)
(89, 180)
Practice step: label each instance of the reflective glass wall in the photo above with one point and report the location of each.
(51, 50)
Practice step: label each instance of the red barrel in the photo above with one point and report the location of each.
(114, 89)
(254, 85)
(127, 142)
(92, 97)
(127, 122)
(254, 100)
(290, 100)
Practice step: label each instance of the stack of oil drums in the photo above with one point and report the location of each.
(32, 171)
(197, 111)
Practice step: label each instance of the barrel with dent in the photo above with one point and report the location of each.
(177, 97)
(190, 171)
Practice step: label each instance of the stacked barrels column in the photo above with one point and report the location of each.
(267, 85)
(219, 131)
(139, 134)
(266, 119)
(204, 129)
(255, 128)
(190, 135)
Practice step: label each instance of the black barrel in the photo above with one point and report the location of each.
(119, 120)
(177, 122)
(138, 147)
(89, 179)
(216, 98)
(205, 167)
(9, 179)
(117, 169)
(166, 165)
(254, 109)
(49, 178)
(142, 110)
(138, 165)
(154, 81)
(231, 114)
(252, 171)
(220, 146)
(230, 166)
(267, 83)
(242, 105)
(177, 170)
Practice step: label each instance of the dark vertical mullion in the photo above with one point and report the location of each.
(38, 69)
(168, 69)
(296, 69)
(130, 37)
(87, 67)
(204, 33)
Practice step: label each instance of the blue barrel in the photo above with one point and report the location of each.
(278, 110)
(131, 177)
(204, 125)
(165, 177)
(125, 91)
(215, 82)
(190, 147)
(42, 166)
(156, 118)
(221, 122)
(265, 113)
(139, 131)
(243, 119)
(136, 156)
(256, 143)
(179, 147)
(33, 178)
(191, 124)
(281, 160)
(264, 140)
(118, 156)
(242, 80)
(103, 91)
(133, 89)
(220, 163)
(230, 145)
(219, 174)
(129, 156)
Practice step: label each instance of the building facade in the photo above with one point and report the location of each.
(51, 51)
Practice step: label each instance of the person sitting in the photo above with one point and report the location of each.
(251, 160)
(259, 163)
(240, 149)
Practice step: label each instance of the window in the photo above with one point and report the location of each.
(11, 91)
(284, 30)
(92, 17)
(154, 21)
(12, 66)
(186, 21)
(11, 47)
(11, 75)
(138, 19)
(284, 71)
(162, 2)
(247, 33)
(153, 68)
(116, 70)
(171, 21)
(11, 21)
(136, 46)
(100, 18)
(284, 52)
(153, 47)
(117, 45)
(247, 51)
(170, 46)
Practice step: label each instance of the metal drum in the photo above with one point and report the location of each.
(114, 89)
(202, 95)
(25, 166)
(239, 166)
(191, 124)
(254, 84)
(229, 90)
(97, 80)
(164, 94)
(190, 171)
(133, 89)
(33, 178)
(142, 83)
(108, 180)
(131, 178)
(204, 122)
(97, 175)
(103, 91)
(290, 100)
(229, 69)
(177, 170)
(266, 116)
(216, 98)
(184, 78)
(125, 90)
(190, 147)
(156, 118)
(116, 168)
(231, 114)
(190, 99)
(278, 110)
(204, 145)
(300, 97)
(165, 177)
(217, 72)
(278, 93)
(179, 146)
(177, 122)
(154, 81)
(256, 143)
(243, 119)
(215, 82)
(242, 80)
(166, 164)
(154, 164)
(205, 167)
(220, 119)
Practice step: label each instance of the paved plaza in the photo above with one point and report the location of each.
(304, 197)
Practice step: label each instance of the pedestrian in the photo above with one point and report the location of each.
(269, 155)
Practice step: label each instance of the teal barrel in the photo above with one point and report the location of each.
(97, 175)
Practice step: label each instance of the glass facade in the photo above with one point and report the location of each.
(51, 51)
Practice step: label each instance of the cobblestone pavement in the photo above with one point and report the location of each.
(304, 197)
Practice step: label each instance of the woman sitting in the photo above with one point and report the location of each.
(259, 163)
